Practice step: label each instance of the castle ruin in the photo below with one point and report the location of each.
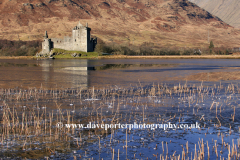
(79, 41)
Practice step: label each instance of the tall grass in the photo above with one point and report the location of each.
(27, 122)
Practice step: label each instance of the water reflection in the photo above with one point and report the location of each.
(65, 73)
(75, 73)
(117, 66)
(44, 73)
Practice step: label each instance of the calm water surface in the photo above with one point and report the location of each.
(121, 72)
(206, 105)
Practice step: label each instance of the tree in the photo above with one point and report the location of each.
(211, 46)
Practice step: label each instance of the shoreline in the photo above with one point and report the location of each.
(137, 57)
(173, 57)
(18, 57)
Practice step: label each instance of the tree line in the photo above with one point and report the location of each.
(30, 48)
(19, 48)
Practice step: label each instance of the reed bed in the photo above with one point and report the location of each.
(30, 122)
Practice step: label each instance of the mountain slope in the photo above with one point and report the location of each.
(227, 10)
(169, 23)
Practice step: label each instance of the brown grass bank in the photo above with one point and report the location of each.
(173, 57)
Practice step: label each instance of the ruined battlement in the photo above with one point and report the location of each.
(79, 41)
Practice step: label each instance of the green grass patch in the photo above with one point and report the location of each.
(61, 53)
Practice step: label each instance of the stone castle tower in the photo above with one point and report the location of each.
(79, 41)
(46, 44)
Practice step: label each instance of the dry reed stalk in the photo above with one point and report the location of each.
(118, 154)
(222, 136)
(166, 148)
(126, 138)
(45, 121)
(162, 147)
(216, 148)
(113, 155)
(143, 114)
(183, 157)
(220, 109)
(234, 114)
(195, 153)
(212, 105)
(232, 147)
(229, 153)
(219, 121)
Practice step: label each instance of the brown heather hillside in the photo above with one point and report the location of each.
(169, 23)
(227, 10)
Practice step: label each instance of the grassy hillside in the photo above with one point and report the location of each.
(165, 23)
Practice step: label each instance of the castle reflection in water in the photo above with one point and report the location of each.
(64, 73)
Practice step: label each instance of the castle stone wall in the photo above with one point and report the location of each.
(46, 44)
(79, 41)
